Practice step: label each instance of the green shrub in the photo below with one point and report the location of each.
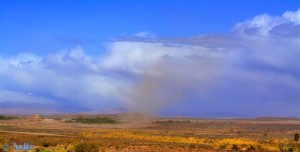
(235, 147)
(2, 117)
(84, 147)
(6, 118)
(223, 146)
(41, 150)
(291, 149)
(46, 144)
(69, 121)
(97, 120)
(296, 138)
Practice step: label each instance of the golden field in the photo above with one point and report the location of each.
(153, 134)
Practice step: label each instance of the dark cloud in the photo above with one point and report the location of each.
(286, 30)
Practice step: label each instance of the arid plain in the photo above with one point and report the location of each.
(133, 132)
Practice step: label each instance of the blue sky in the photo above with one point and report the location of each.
(192, 58)
(40, 26)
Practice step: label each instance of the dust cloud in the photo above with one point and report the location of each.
(169, 81)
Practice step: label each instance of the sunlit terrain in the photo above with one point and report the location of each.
(132, 132)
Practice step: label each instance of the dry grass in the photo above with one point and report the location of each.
(194, 135)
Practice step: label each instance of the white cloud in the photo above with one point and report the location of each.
(68, 77)
(144, 35)
(265, 25)
(22, 59)
(293, 17)
(75, 59)
(137, 57)
(256, 67)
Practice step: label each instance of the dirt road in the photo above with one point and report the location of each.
(36, 133)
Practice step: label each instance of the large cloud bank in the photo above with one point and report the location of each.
(253, 70)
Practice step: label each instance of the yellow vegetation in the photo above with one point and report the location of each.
(192, 140)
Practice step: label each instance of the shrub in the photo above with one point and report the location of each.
(70, 148)
(281, 147)
(296, 138)
(69, 121)
(41, 150)
(62, 148)
(84, 147)
(259, 147)
(6, 118)
(97, 120)
(251, 148)
(2, 117)
(291, 149)
(192, 146)
(223, 146)
(46, 144)
(235, 147)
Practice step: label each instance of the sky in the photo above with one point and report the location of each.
(210, 58)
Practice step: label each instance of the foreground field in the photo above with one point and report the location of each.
(155, 134)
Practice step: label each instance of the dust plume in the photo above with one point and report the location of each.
(171, 80)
